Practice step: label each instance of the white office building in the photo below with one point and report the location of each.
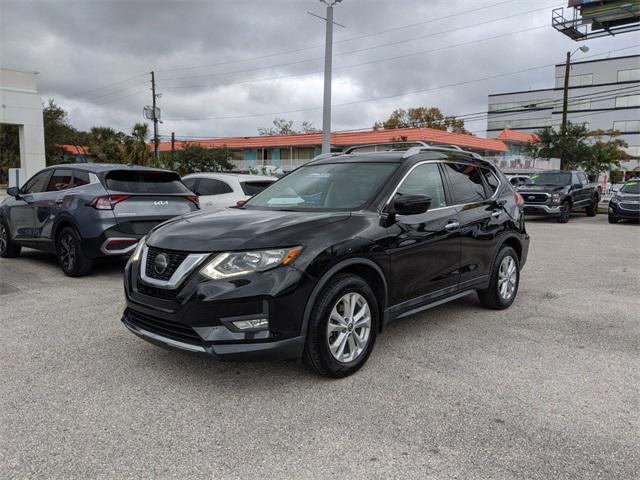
(603, 94)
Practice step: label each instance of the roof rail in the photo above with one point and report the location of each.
(325, 155)
(438, 148)
(386, 144)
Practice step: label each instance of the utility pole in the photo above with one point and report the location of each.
(565, 96)
(328, 60)
(155, 116)
(173, 150)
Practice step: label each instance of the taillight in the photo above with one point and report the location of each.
(241, 203)
(107, 203)
(193, 199)
(519, 199)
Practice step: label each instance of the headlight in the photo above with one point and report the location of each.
(614, 199)
(232, 264)
(555, 197)
(135, 256)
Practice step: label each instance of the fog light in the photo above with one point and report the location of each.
(255, 324)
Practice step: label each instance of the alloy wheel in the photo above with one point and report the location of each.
(349, 327)
(67, 252)
(507, 277)
(4, 238)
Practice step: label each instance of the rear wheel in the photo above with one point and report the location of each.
(343, 326)
(504, 281)
(8, 248)
(613, 218)
(565, 212)
(71, 258)
(592, 210)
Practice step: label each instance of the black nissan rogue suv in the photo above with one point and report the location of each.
(318, 263)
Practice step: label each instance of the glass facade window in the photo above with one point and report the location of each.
(576, 80)
(627, 101)
(627, 126)
(518, 123)
(523, 105)
(630, 75)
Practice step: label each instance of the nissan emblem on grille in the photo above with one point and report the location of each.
(160, 263)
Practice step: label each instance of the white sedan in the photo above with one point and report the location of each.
(221, 190)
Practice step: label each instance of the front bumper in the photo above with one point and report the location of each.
(625, 213)
(541, 209)
(274, 350)
(198, 315)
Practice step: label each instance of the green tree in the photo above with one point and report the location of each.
(422, 117)
(107, 145)
(57, 131)
(9, 150)
(282, 126)
(195, 158)
(135, 148)
(569, 145)
(606, 152)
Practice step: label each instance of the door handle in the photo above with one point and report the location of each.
(451, 226)
(59, 201)
(495, 213)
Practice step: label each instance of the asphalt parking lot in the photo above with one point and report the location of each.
(549, 389)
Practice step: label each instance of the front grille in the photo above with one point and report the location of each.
(161, 293)
(164, 328)
(534, 197)
(634, 207)
(174, 258)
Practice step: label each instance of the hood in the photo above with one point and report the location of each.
(541, 188)
(239, 229)
(630, 197)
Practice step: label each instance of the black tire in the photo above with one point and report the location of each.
(613, 218)
(565, 212)
(317, 354)
(71, 258)
(8, 248)
(492, 296)
(592, 210)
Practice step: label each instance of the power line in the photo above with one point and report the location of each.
(350, 39)
(372, 99)
(78, 94)
(298, 62)
(386, 59)
(476, 116)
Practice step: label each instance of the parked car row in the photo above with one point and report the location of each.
(625, 203)
(86, 212)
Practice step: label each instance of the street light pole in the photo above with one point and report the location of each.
(328, 58)
(565, 96)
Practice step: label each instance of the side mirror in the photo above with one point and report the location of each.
(411, 204)
(13, 192)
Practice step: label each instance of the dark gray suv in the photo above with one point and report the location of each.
(84, 212)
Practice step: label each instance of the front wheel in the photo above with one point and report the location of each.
(8, 248)
(592, 210)
(343, 326)
(565, 212)
(504, 281)
(613, 218)
(71, 258)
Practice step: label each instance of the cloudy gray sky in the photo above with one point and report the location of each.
(229, 67)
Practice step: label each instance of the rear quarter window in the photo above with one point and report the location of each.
(144, 182)
(253, 188)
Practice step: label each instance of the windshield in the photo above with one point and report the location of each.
(550, 178)
(631, 187)
(335, 186)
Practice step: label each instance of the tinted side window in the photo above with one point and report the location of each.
(190, 183)
(60, 180)
(210, 186)
(491, 179)
(466, 182)
(583, 178)
(574, 179)
(425, 179)
(253, 188)
(38, 183)
(80, 178)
